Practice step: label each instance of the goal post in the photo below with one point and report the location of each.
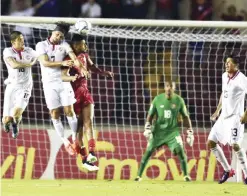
(142, 54)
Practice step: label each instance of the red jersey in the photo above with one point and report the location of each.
(81, 80)
(82, 95)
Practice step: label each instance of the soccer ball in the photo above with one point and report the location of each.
(83, 26)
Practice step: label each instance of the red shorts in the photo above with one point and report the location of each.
(83, 98)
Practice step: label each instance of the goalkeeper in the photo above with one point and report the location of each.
(165, 130)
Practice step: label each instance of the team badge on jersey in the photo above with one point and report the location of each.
(60, 49)
(173, 106)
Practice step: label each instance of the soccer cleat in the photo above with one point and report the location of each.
(15, 130)
(69, 148)
(245, 181)
(7, 127)
(138, 179)
(187, 178)
(91, 158)
(226, 175)
(89, 166)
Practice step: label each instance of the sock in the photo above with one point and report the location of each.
(218, 152)
(83, 153)
(91, 146)
(59, 128)
(243, 161)
(144, 161)
(72, 120)
(183, 161)
(17, 120)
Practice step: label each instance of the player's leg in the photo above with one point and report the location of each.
(17, 116)
(87, 116)
(146, 156)
(7, 121)
(8, 105)
(21, 101)
(241, 155)
(58, 126)
(81, 149)
(72, 120)
(237, 135)
(67, 98)
(176, 147)
(217, 135)
(53, 103)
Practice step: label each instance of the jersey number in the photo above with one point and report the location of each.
(21, 70)
(179, 140)
(234, 132)
(225, 94)
(167, 113)
(25, 95)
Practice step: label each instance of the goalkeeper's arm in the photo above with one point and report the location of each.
(147, 129)
(190, 133)
(187, 123)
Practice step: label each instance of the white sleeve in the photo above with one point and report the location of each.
(34, 53)
(67, 47)
(7, 53)
(40, 49)
(84, 8)
(98, 12)
(29, 12)
(244, 84)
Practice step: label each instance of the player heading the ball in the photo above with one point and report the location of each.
(84, 106)
(58, 94)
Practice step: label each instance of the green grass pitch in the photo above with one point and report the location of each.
(119, 188)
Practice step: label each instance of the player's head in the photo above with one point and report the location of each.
(231, 64)
(17, 39)
(169, 88)
(78, 43)
(232, 10)
(59, 32)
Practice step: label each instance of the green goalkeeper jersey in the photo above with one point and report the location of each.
(167, 112)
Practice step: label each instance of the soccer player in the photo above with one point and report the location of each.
(164, 130)
(229, 127)
(19, 61)
(84, 106)
(51, 53)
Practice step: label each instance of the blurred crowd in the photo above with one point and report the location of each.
(135, 9)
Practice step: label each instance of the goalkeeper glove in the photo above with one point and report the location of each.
(148, 132)
(190, 137)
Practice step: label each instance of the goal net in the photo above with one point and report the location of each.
(142, 54)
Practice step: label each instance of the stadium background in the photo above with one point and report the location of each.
(140, 68)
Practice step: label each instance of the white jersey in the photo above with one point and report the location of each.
(21, 76)
(233, 94)
(55, 53)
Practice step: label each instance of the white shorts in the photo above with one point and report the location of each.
(58, 94)
(15, 97)
(228, 130)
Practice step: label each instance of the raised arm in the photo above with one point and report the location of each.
(92, 67)
(66, 77)
(78, 63)
(16, 65)
(47, 63)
